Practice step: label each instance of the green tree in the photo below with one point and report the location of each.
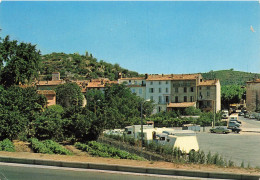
(21, 61)
(69, 94)
(231, 94)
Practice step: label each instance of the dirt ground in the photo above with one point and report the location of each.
(23, 151)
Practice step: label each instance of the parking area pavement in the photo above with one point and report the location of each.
(240, 147)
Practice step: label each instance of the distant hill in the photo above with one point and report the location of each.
(76, 66)
(231, 77)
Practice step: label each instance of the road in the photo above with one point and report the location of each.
(12, 171)
(237, 147)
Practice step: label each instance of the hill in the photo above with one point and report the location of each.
(76, 66)
(231, 77)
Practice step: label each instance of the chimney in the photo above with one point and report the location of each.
(146, 76)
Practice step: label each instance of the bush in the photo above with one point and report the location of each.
(103, 150)
(7, 145)
(48, 147)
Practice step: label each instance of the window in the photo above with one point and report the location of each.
(191, 89)
(185, 99)
(160, 90)
(208, 87)
(168, 140)
(191, 99)
(150, 90)
(185, 89)
(129, 81)
(133, 90)
(176, 89)
(151, 98)
(159, 109)
(208, 103)
(151, 83)
(166, 90)
(135, 82)
(199, 88)
(208, 93)
(167, 99)
(176, 99)
(162, 138)
(166, 82)
(159, 82)
(160, 99)
(140, 91)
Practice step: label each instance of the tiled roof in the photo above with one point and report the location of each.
(254, 81)
(208, 82)
(164, 77)
(133, 78)
(183, 104)
(49, 83)
(46, 92)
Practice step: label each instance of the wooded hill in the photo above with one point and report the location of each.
(231, 77)
(76, 66)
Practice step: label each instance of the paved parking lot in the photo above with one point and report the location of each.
(237, 147)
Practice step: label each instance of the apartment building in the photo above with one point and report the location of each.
(179, 91)
(253, 95)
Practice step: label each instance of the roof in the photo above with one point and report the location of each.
(165, 77)
(49, 83)
(46, 92)
(133, 78)
(254, 81)
(181, 105)
(208, 82)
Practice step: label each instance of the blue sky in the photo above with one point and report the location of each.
(147, 37)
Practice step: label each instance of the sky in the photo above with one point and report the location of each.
(168, 37)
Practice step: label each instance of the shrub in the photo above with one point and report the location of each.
(7, 145)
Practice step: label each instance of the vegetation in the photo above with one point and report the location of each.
(75, 66)
(104, 150)
(231, 94)
(48, 147)
(69, 94)
(231, 77)
(7, 145)
(19, 62)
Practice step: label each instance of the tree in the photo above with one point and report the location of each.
(21, 62)
(69, 94)
(231, 94)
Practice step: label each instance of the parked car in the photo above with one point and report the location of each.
(251, 116)
(241, 114)
(222, 130)
(235, 129)
(235, 120)
(233, 124)
(246, 115)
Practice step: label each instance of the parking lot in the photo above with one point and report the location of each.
(237, 147)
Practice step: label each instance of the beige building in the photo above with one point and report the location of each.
(179, 91)
(253, 95)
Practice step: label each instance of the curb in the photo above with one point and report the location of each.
(144, 170)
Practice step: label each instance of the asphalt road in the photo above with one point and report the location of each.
(11, 171)
(236, 147)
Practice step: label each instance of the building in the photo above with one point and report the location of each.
(177, 91)
(47, 88)
(253, 95)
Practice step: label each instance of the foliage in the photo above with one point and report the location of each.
(18, 108)
(104, 150)
(231, 94)
(75, 66)
(48, 147)
(231, 77)
(192, 111)
(7, 145)
(21, 61)
(69, 94)
(49, 124)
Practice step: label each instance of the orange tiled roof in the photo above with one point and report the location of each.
(50, 83)
(46, 92)
(254, 81)
(208, 82)
(181, 105)
(172, 77)
(133, 78)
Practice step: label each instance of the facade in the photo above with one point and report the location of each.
(50, 95)
(179, 91)
(253, 95)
